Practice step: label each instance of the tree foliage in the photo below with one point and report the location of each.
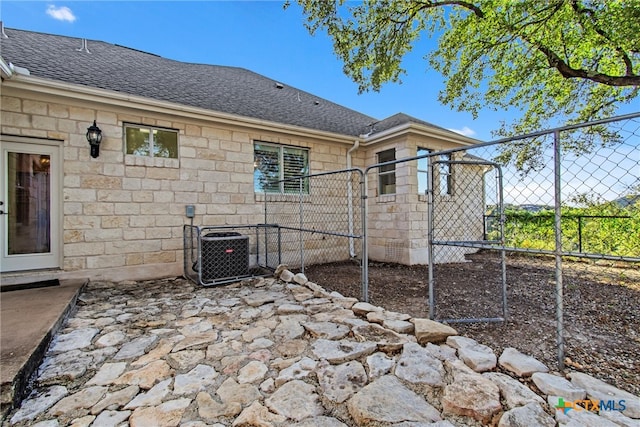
(557, 61)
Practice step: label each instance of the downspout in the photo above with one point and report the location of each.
(7, 71)
(352, 251)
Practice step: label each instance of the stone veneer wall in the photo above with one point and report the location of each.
(123, 215)
(398, 223)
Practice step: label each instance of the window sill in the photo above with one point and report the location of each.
(156, 162)
(282, 197)
(386, 198)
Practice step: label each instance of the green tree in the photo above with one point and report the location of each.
(572, 59)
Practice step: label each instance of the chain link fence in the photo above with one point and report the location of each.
(321, 222)
(567, 216)
(508, 230)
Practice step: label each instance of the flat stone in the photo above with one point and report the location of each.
(136, 347)
(513, 391)
(111, 418)
(328, 330)
(261, 343)
(196, 328)
(164, 347)
(244, 394)
(557, 386)
(111, 339)
(380, 316)
(167, 414)
(599, 390)
(38, 402)
(342, 351)
(379, 364)
(288, 329)
(387, 400)
(290, 309)
(196, 340)
(417, 366)
(385, 339)
(531, 414)
(344, 302)
(339, 382)
(618, 418)
(107, 373)
(252, 372)
(441, 352)
(279, 269)
(185, 359)
(295, 400)
(292, 348)
(146, 376)
(470, 395)
(153, 397)
(363, 308)
(286, 276)
(299, 370)
(300, 279)
(197, 379)
(64, 366)
(427, 330)
(579, 418)
(519, 363)
(321, 421)
(115, 400)
(257, 415)
(256, 332)
(211, 410)
(82, 421)
(477, 356)
(258, 298)
(83, 399)
(399, 326)
(80, 338)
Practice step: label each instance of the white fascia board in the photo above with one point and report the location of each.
(415, 128)
(111, 98)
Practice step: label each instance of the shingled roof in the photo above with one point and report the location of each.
(223, 89)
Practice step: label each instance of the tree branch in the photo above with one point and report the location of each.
(556, 62)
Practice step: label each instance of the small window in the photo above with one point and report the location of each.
(423, 171)
(151, 142)
(446, 179)
(387, 174)
(277, 167)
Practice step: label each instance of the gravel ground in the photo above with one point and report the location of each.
(600, 304)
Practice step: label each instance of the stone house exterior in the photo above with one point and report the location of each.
(173, 134)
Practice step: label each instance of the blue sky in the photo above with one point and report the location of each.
(257, 35)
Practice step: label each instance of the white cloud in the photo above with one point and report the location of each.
(61, 13)
(466, 131)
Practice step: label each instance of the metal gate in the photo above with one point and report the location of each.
(463, 219)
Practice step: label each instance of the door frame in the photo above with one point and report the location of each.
(54, 258)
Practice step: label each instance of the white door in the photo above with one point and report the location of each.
(29, 206)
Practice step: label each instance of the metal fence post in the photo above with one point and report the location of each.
(364, 189)
(558, 247)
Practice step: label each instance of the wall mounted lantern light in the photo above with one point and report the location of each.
(94, 136)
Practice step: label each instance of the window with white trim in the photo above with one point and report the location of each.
(387, 173)
(446, 176)
(150, 141)
(423, 170)
(276, 168)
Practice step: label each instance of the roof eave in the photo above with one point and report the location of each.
(111, 98)
(419, 129)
